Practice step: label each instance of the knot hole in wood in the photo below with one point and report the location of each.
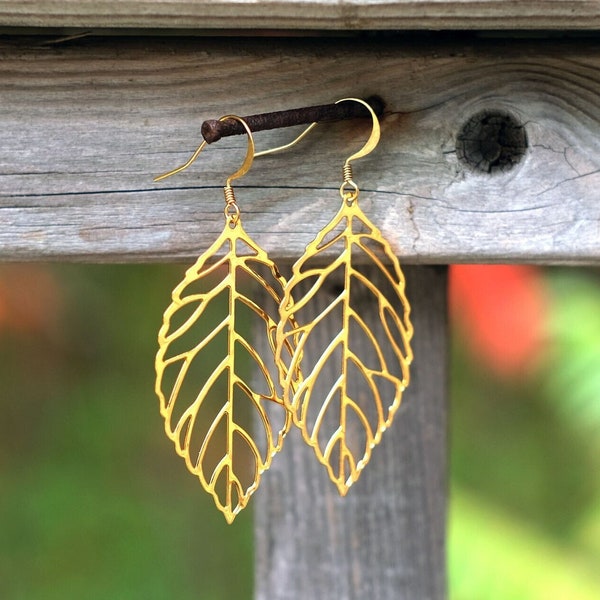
(491, 141)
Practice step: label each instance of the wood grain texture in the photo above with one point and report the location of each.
(85, 125)
(385, 539)
(305, 14)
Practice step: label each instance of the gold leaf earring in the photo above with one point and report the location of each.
(354, 365)
(204, 360)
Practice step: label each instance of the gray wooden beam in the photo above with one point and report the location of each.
(385, 539)
(304, 14)
(85, 126)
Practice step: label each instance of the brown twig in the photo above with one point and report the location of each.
(213, 130)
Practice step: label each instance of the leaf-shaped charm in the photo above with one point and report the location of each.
(204, 362)
(352, 343)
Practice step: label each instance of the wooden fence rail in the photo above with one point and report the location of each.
(85, 125)
(304, 14)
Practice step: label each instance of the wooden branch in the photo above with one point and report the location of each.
(305, 14)
(87, 124)
(385, 539)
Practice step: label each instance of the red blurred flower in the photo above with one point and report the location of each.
(501, 311)
(30, 299)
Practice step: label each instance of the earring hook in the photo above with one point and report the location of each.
(249, 158)
(373, 140)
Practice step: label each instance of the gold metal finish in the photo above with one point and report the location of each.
(239, 173)
(365, 391)
(373, 140)
(287, 146)
(202, 365)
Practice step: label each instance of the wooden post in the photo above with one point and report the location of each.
(385, 539)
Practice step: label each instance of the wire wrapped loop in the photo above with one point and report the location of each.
(348, 189)
(232, 210)
(347, 170)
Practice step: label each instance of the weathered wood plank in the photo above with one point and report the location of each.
(85, 126)
(385, 539)
(305, 14)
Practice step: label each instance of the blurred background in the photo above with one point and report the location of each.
(94, 503)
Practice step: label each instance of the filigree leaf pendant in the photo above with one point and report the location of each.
(351, 343)
(206, 368)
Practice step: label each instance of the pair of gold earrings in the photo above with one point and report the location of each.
(337, 374)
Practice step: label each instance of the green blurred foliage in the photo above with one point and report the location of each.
(525, 456)
(94, 503)
(572, 382)
(495, 555)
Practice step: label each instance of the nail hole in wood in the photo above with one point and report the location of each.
(491, 141)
